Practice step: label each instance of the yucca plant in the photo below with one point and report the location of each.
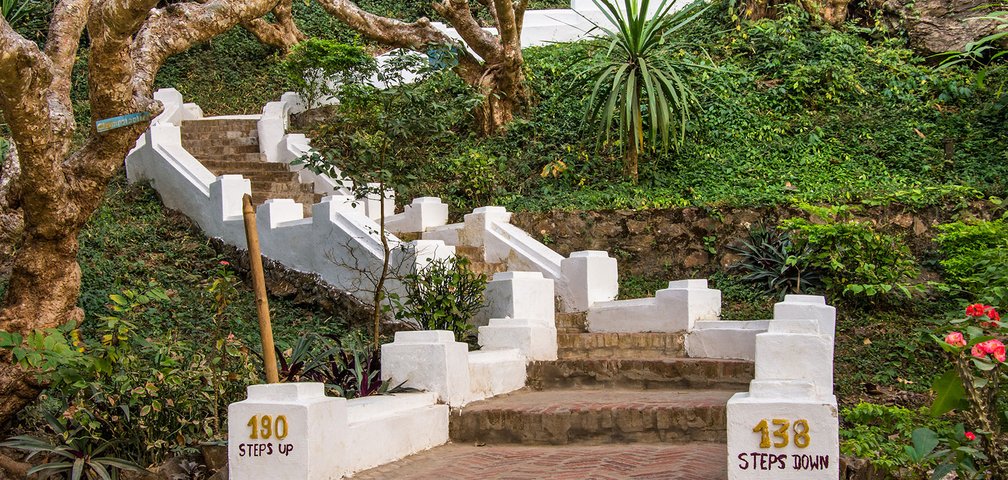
(642, 80)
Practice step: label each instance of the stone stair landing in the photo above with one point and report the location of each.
(230, 146)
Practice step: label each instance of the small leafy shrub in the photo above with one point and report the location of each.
(881, 434)
(474, 177)
(856, 261)
(155, 395)
(774, 260)
(975, 386)
(317, 68)
(444, 295)
(72, 453)
(349, 367)
(974, 257)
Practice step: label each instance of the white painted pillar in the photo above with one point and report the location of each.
(591, 276)
(786, 427)
(686, 302)
(429, 360)
(287, 431)
(520, 306)
(807, 306)
(474, 231)
(423, 213)
(334, 204)
(372, 203)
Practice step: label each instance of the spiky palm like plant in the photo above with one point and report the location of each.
(642, 80)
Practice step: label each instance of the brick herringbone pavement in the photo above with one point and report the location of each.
(695, 461)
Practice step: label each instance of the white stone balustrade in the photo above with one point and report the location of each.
(591, 276)
(787, 427)
(373, 202)
(287, 431)
(808, 306)
(429, 360)
(737, 339)
(521, 311)
(673, 309)
(417, 217)
(272, 126)
(292, 431)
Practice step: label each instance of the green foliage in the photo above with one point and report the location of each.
(473, 176)
(71, 452)
(316, 68)
(974, 256)
(642, 81)
(155, 395)
(444, 295)
(856, 260)
(771, 258)
(30, 18)
(890, 437)
(349, 367)
(984, 50)
(928, 196)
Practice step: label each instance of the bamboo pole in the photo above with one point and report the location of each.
(259, 284)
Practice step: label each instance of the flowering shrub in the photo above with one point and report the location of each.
(974, 386)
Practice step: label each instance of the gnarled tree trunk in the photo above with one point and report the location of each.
(58, 189)
(282, 34)
(498, 77)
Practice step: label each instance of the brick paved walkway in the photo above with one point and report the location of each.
(696, 461)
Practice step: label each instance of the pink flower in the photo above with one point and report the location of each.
(994, 347)
(955, 339)
(224, 263)
(970, 436)
(978, 352)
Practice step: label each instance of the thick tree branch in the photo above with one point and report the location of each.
(460, 16)
(25, 79)
(283, 34)
(507, 26)
(176, 28)
(389, 31)
(65, 30)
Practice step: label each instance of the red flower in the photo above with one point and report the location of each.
(970, 436)
(993, 315)
(976, 310)
(224, 263)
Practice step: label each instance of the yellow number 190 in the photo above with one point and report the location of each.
(265, 427)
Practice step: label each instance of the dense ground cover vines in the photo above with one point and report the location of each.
(790, 112)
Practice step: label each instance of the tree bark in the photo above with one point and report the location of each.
(498, 77)
(282, 34)
(59, 190)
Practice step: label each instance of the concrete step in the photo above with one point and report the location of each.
(259, 176)
(243, 166)
(621, 345)
(560, 417)
(287, 187)
(650, 461)
(217, 139)
(572, 322)
(221, 150)
(208, 125)
(706, 373)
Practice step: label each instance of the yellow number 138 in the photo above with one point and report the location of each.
(781, 433)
